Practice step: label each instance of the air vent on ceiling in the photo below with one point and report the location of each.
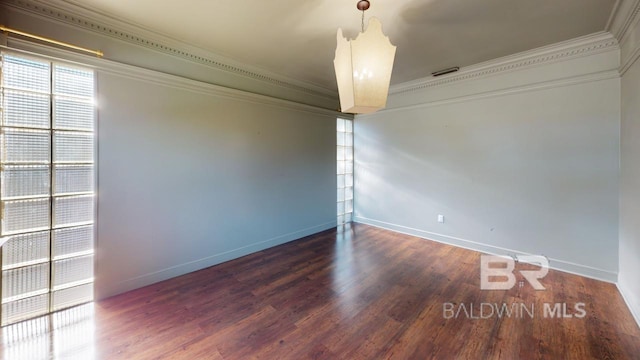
(445, 71)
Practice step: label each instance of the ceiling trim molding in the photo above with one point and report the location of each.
(74, 15)
(571, 49)
(612, 15)
(544, 85)
(159, 78)
(627, 34)
(631, 59)
(624, 14)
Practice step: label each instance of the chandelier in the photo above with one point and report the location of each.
(363, 67)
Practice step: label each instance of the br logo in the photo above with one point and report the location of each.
(496, 272)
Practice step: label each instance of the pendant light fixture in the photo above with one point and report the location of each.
(363, 67)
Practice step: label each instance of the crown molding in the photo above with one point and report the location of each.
(105, 66)
(576, 48)
(626, 27)
(631, 59)
(612, 15)
(71, 13)
(538, 86)
(624, 14)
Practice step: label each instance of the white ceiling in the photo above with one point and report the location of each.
(298, 38)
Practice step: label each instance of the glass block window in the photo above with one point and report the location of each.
(47, 177)
(344, 152)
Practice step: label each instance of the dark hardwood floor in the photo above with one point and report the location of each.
(361, 293)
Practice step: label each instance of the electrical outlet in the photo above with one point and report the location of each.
(441, 219)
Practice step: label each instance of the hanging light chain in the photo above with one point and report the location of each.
(363, 5)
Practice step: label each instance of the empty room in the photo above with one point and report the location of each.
(329, 179)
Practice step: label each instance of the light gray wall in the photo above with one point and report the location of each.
(187, 180)
(192, 174)
(630, 181)
(524, 170)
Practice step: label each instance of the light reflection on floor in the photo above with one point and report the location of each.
(66, 334)
(343, 273)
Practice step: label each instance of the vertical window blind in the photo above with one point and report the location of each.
(47, 184)
(345, 170)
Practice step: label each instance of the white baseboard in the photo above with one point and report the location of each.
(565, 266)
(181, 269)
(625, 296)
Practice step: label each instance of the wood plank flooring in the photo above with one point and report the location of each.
(359, 293)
